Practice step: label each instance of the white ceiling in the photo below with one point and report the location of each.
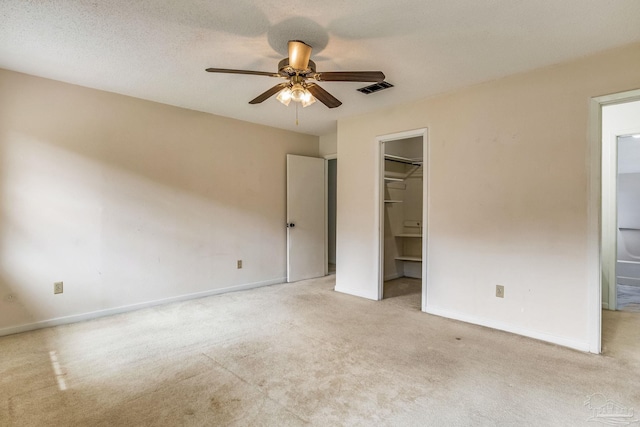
(158, 49)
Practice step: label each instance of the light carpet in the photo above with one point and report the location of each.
(302, 354)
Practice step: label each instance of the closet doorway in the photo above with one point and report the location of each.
(403, 218)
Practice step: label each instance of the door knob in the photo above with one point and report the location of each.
(290, 225)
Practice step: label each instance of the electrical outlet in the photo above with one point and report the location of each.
(239, 263)
(500, 291)
(58, 288)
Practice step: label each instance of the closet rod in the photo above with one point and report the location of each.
(392, 158)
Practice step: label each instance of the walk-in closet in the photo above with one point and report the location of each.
(403, 227)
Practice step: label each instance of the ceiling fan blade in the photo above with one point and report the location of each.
(268, 94)
(253, 73)
(349, 76)
(323, 96)
(299, 54)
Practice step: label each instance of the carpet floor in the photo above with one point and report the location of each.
(301, 354)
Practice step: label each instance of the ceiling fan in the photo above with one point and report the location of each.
(300, 74)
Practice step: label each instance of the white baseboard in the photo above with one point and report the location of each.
(124, 309)
(542, 336)
(605, 306)
(356, 293)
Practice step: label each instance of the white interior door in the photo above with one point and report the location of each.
(306, 213)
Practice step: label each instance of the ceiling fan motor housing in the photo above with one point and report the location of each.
(286, 70)
(299, 54)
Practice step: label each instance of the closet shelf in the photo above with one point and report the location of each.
(393, 201)
(409, 258)
(392, 179)
(409, 235)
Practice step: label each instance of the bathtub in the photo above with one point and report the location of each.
(628, 273)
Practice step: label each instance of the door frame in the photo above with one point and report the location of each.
(326, 158)
(596, 147)
(380, 140)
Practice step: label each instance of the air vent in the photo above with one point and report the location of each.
(375, 87)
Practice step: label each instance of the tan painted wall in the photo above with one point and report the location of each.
(507, 192)
(129, 201)
(328, 144)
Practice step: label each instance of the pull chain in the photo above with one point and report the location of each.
(296, 114)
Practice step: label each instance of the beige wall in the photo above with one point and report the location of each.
(507, 190)
(129, 201)
(328, 144)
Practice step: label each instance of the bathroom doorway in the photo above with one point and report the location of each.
(620, 227)
(627, 270)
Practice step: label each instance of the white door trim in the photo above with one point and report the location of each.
(380, 140)
(326, 216)
(594, 212)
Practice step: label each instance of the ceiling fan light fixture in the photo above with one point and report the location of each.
(307, 99)
(284, 96)
(296, 93)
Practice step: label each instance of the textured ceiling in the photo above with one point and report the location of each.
(158, 49)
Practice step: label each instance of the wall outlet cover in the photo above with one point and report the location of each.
(58, 288)
(239, 263)
(500, 291)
